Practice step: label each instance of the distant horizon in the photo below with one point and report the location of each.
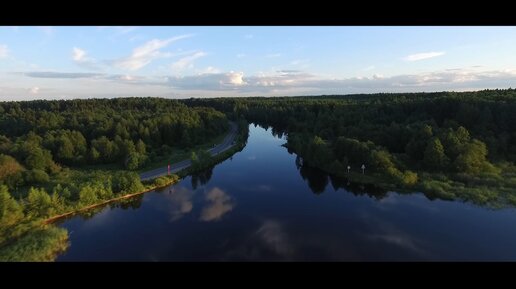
(261, 96)
(78, 62)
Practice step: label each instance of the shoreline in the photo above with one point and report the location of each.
(58, 217)
(225, 154)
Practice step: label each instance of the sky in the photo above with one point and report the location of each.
(67, 62)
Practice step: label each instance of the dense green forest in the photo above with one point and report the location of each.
(447, 144)
(62, 156)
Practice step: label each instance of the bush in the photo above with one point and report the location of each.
(36, 176)
(161, 181)
(409, 178)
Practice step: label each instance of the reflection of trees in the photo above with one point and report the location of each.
(88, 214)
(134, 202)
(278, 132)
(357, 189)
(318, 180)
(201, 178)
(130, 203)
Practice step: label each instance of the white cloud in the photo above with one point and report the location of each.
(211, 83)
(78, 54)
(273, 55)
(241, 55)
(187, 61)
(4, 51)
(215, 81)
(80, 58)
(370, 67)
(145, 54)
(424, 55)
(292, 82)
(34, 90)
(249, 36)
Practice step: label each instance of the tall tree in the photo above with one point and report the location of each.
(434, 157)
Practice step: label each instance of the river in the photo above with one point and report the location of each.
(264, 205)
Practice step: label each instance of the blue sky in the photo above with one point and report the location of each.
(178, 62)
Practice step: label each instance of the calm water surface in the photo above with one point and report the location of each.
(263, 205)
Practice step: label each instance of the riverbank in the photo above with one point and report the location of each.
(172, 180)
(487, 189)
(161, 181)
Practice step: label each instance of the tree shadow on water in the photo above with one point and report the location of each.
(201, 178)
(318, 181)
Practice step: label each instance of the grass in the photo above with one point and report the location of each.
(40, 245)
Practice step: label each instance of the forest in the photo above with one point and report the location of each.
(450, 145)
(62, 156)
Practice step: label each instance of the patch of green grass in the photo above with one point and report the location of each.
(40, 245)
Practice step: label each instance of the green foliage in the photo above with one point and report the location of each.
(133, 161)
(36, 176)
(409, 178)
(434, 157)
(39, 204)
(11, 214)
(200, 159)
(194, 158)
(165, 180)
(381, 161)
(87, 196)
(10, 171)
(140, 147)
(38, 245)
(127, 183)
(472, 159)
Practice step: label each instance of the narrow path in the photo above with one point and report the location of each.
(174, 168)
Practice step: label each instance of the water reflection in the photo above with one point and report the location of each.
(272, 234)
(179, 202)
(260, 207)
(126, 204)
(214, 203)
(201, 178)
(266, 240)
(317, 181)
(220, 203)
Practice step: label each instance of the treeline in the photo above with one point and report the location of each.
(466, 140)
(38, 138)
